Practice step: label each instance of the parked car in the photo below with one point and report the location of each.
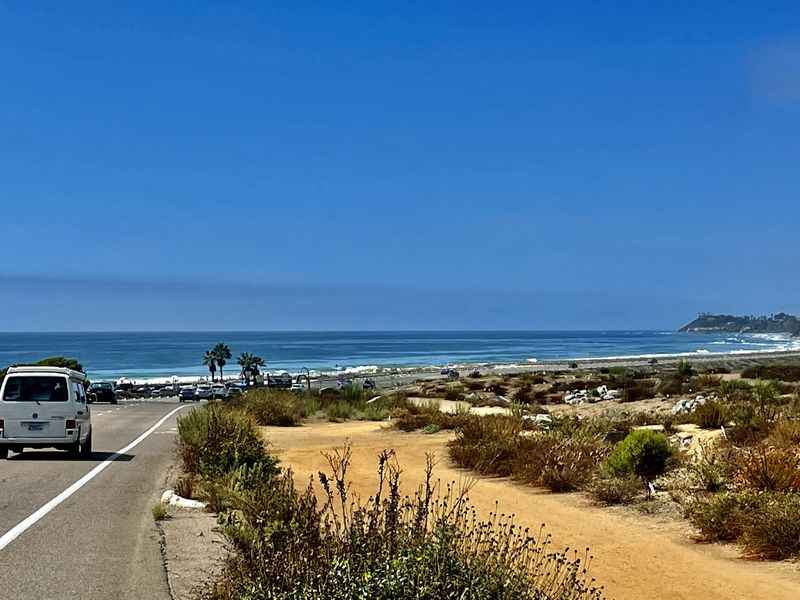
(44, 407)
(187, 392)
(234, 390)
(102, 391)
(369, 384)
(344, 383)
(203, 392)
(298, 387)
(168, 391)
(219, 391)
(445, 371)
(280, 381)
(453, 374)
(475, 374)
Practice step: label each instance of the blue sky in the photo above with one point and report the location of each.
(421, 165)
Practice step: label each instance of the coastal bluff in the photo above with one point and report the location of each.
(776, 323)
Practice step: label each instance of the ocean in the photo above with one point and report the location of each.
(145, 355)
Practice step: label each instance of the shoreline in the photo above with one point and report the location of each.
(400, 375)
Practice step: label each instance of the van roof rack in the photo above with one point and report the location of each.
(51, 370)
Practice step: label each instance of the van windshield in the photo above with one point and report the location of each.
(35, 389)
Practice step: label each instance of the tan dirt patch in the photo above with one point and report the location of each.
(636, 557)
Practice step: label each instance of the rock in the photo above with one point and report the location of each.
(541, 419)
(170, 498)
(687, 405)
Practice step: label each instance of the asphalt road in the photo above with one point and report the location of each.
(101, 542)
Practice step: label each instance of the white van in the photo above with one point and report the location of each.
(44, 407)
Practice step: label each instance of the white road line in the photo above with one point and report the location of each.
(27, 523)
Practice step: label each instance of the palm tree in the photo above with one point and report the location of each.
(250, 364)
(222, 354)
(210, 361)
(257, 362)
(245, 361)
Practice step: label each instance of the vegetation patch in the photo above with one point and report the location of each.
(285, 545)
(273, 407)
(777, 372)
(644, 453)
(160, 512)
(615, 490)
(561, 458)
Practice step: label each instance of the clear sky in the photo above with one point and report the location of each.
(367, 165)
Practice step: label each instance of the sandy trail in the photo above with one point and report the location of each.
(636, 557)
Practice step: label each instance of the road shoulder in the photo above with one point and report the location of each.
(192, 549)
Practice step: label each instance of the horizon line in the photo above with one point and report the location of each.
(453, 330)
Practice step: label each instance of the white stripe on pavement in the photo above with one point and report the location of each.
(27, 523)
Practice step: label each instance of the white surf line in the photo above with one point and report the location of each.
(27, 523)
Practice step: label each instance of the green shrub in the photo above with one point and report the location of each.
(214, 440)
(617, 371)
(571, 463)
(765, 524)
(712, 468)
(685, 368)
(529, 378)
(454, 394)
(431, 428)
(561, 459)
(487, 444)
(778, 372)
(671, 385)
(373, 412)
(706, 381)
(524, 395)
(643, 452)
(413, 417)
(615, 490)
(765, 399)
(160, 512)
(273, 407)
(339, 410)
(764, 468)
(785, 434)
(732, 387)
(772, 530)
(720, 518)
(711, 415)
(354, 395)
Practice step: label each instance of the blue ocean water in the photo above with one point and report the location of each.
(141, 355)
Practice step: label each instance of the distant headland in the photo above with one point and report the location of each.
(776, 323)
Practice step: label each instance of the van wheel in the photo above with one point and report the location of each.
(86, 447)
(3, 452)
(74, 449)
